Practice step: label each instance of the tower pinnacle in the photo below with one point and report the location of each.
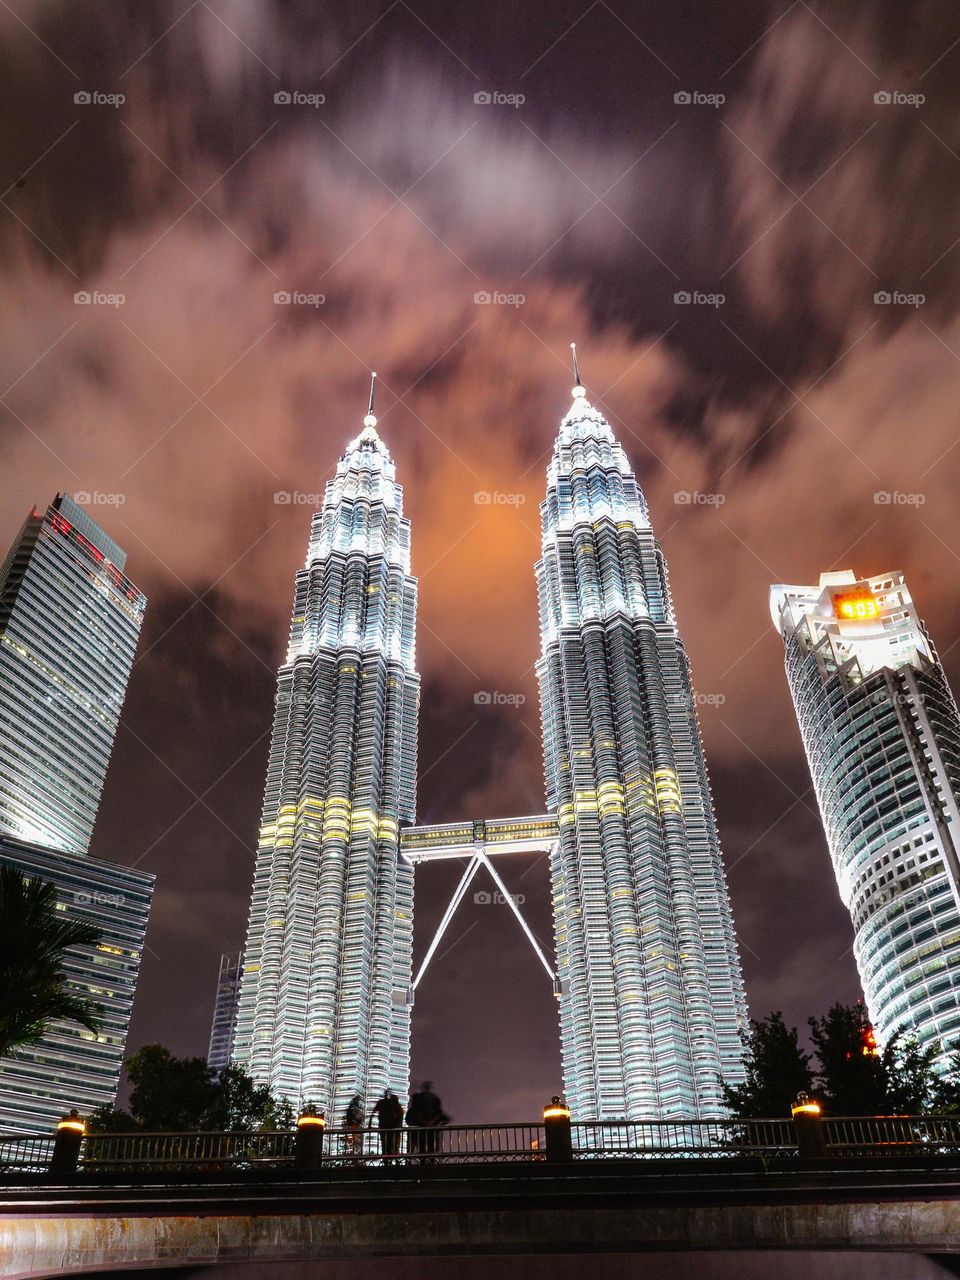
(371, 419)
(579, 390)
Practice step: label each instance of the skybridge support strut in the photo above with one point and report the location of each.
(471, 870)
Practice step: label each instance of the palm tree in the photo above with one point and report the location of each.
(34, 937)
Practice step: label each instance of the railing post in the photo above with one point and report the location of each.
(811, 1143)
(66, 1145)
(556, 1124)
(308, 1144)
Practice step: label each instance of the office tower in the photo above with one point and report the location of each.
(651, 996)
(882, 737)
(325, 994)
(71, 1066)
(225, 1010)
(69, 622)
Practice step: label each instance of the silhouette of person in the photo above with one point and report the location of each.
(425, 1118)
(353, 1123)
(388, 1114)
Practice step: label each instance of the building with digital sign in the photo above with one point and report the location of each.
(651, 996)
(882, 737)
(325, 992)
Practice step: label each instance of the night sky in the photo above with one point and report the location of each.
(792, 402)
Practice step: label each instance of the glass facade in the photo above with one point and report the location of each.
(225, 1010)
(882, 737)
(69, 624)
(651, 995)
(71, 1066)
(325, 994)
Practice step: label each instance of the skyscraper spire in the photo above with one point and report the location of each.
(371, 419)
(579, 390)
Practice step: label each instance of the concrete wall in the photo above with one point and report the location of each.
(50, 1245)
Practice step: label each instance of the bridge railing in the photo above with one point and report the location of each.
(451, 1143)
(173, 1153)
(106, 1151)
(30, 1153)
(653, 1138)
(886, 1135)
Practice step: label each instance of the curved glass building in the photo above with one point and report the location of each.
(324, 1009)
(69, 625)
(651, 995)
(882, 736)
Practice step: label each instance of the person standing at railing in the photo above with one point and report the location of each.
(388, 1114)
(425, 1118)
(353, 1125)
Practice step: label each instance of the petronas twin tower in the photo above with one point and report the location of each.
(648, 976)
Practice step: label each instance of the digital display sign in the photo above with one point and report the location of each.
(856, 605)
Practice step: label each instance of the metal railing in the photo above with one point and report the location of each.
(173, 1153)
(26, 1154)
(106, 1151)
(468, 1144)
(889, 1135)
(660, 1138)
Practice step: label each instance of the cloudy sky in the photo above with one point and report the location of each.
(185, 161)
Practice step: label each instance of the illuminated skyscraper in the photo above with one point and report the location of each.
(325, 995)
(882, 736)
(69, 624)
(651, 994)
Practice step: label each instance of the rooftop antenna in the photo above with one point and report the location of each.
(579, 390)
(371, 419)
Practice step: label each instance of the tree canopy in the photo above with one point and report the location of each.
(848, 1075)
(179, 1095)
(777, 1070)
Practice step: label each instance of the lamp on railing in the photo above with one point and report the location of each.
(811, 1143)
(556, 1125)
(308, 1144)
(66, 1145)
